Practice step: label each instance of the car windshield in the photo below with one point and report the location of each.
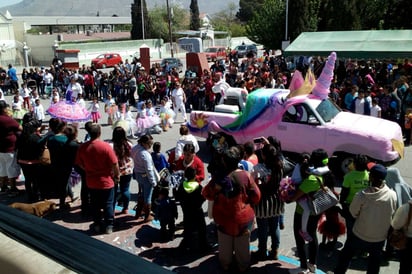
(327, 110)
(241, 47)
(170, 61)
(101, 56)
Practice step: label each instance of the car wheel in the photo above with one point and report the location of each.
(339, 164)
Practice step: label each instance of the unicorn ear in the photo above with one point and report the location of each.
(306, 87)
(297, 81)
(321, 89)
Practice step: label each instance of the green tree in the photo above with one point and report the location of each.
(194, 15)
(398, 15)
(247, 8)
(267, 24)
(226, 20)
(303, 16)
(140, 28)
(339, 15)
(159, 18)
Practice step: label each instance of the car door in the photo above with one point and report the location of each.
(300, 130)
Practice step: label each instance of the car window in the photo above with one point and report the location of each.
(241, 47)
(299, 113)
(327, 110)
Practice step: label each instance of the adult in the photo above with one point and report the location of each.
(234, 196)
(268, 175)
(353, 182)
(70, 152)
(145, 173)
(14, 80)
(59, 170)
(179, 100)
(28, 154)
(100, 164)
(310, 184)
(122, 147)
(372, 208)
(185, 138)
(9, 131)
(398, 222)
(190, 159)
(75, 89)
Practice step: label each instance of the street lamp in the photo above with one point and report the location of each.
(169, 18)
(141, 9)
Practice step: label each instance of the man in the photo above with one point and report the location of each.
(179, 100)
(100, 164)
(12, 74)
(9, 170)
(373, 208)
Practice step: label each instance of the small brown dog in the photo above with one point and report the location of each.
(38, 209)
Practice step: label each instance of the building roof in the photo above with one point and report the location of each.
(353, 44)
(72, 20)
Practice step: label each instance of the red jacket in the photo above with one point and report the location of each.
(234, 214)
(197, 164)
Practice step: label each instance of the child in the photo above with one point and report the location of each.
(94, 109)
(16, 107)
(153, 117)
(81, 101)
(110, 108)
(142, 124)
(331, 226)
(300, 172)
(190, 196)
(39, 111)
(166, 213)
(166, 114)
(375, 109)
(159, 159)
(25, 93)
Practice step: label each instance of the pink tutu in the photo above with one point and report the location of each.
(143, 124)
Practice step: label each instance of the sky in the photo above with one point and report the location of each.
(8, 2)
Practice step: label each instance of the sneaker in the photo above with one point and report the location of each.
(109, 229)
(305, 236)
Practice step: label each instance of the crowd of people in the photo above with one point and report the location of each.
(244, 187)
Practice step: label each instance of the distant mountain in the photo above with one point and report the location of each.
(102, 7)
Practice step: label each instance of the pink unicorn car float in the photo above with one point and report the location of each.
(303, 119)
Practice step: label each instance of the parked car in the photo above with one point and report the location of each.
(107, 60)
(243, 50)
(173, 63)
(215, 53)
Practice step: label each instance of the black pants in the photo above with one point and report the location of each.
(300, 243)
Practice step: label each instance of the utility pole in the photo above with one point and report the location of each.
(170, 27)
(141, 9)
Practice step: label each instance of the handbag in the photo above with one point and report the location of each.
(398, 238)
(45, 158)
(126, 166)
(322, 200)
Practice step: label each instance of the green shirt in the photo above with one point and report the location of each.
(355, 181)
(310, 184)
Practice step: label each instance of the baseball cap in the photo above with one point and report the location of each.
(378, 171)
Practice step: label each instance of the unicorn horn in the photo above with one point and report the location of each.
(322, 86)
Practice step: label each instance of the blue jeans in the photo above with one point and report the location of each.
(268, 227)
(352, 245)
(146, 188)
(124, 189)
(102, 199)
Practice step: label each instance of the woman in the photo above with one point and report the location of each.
(145, 173)
(234, 195)
(268, 175)
(310, 184)
(190, 159)
(60, 169)
(122, 148)
(28, 154)
(71, 147)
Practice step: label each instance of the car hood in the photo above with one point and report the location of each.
(375, 133)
